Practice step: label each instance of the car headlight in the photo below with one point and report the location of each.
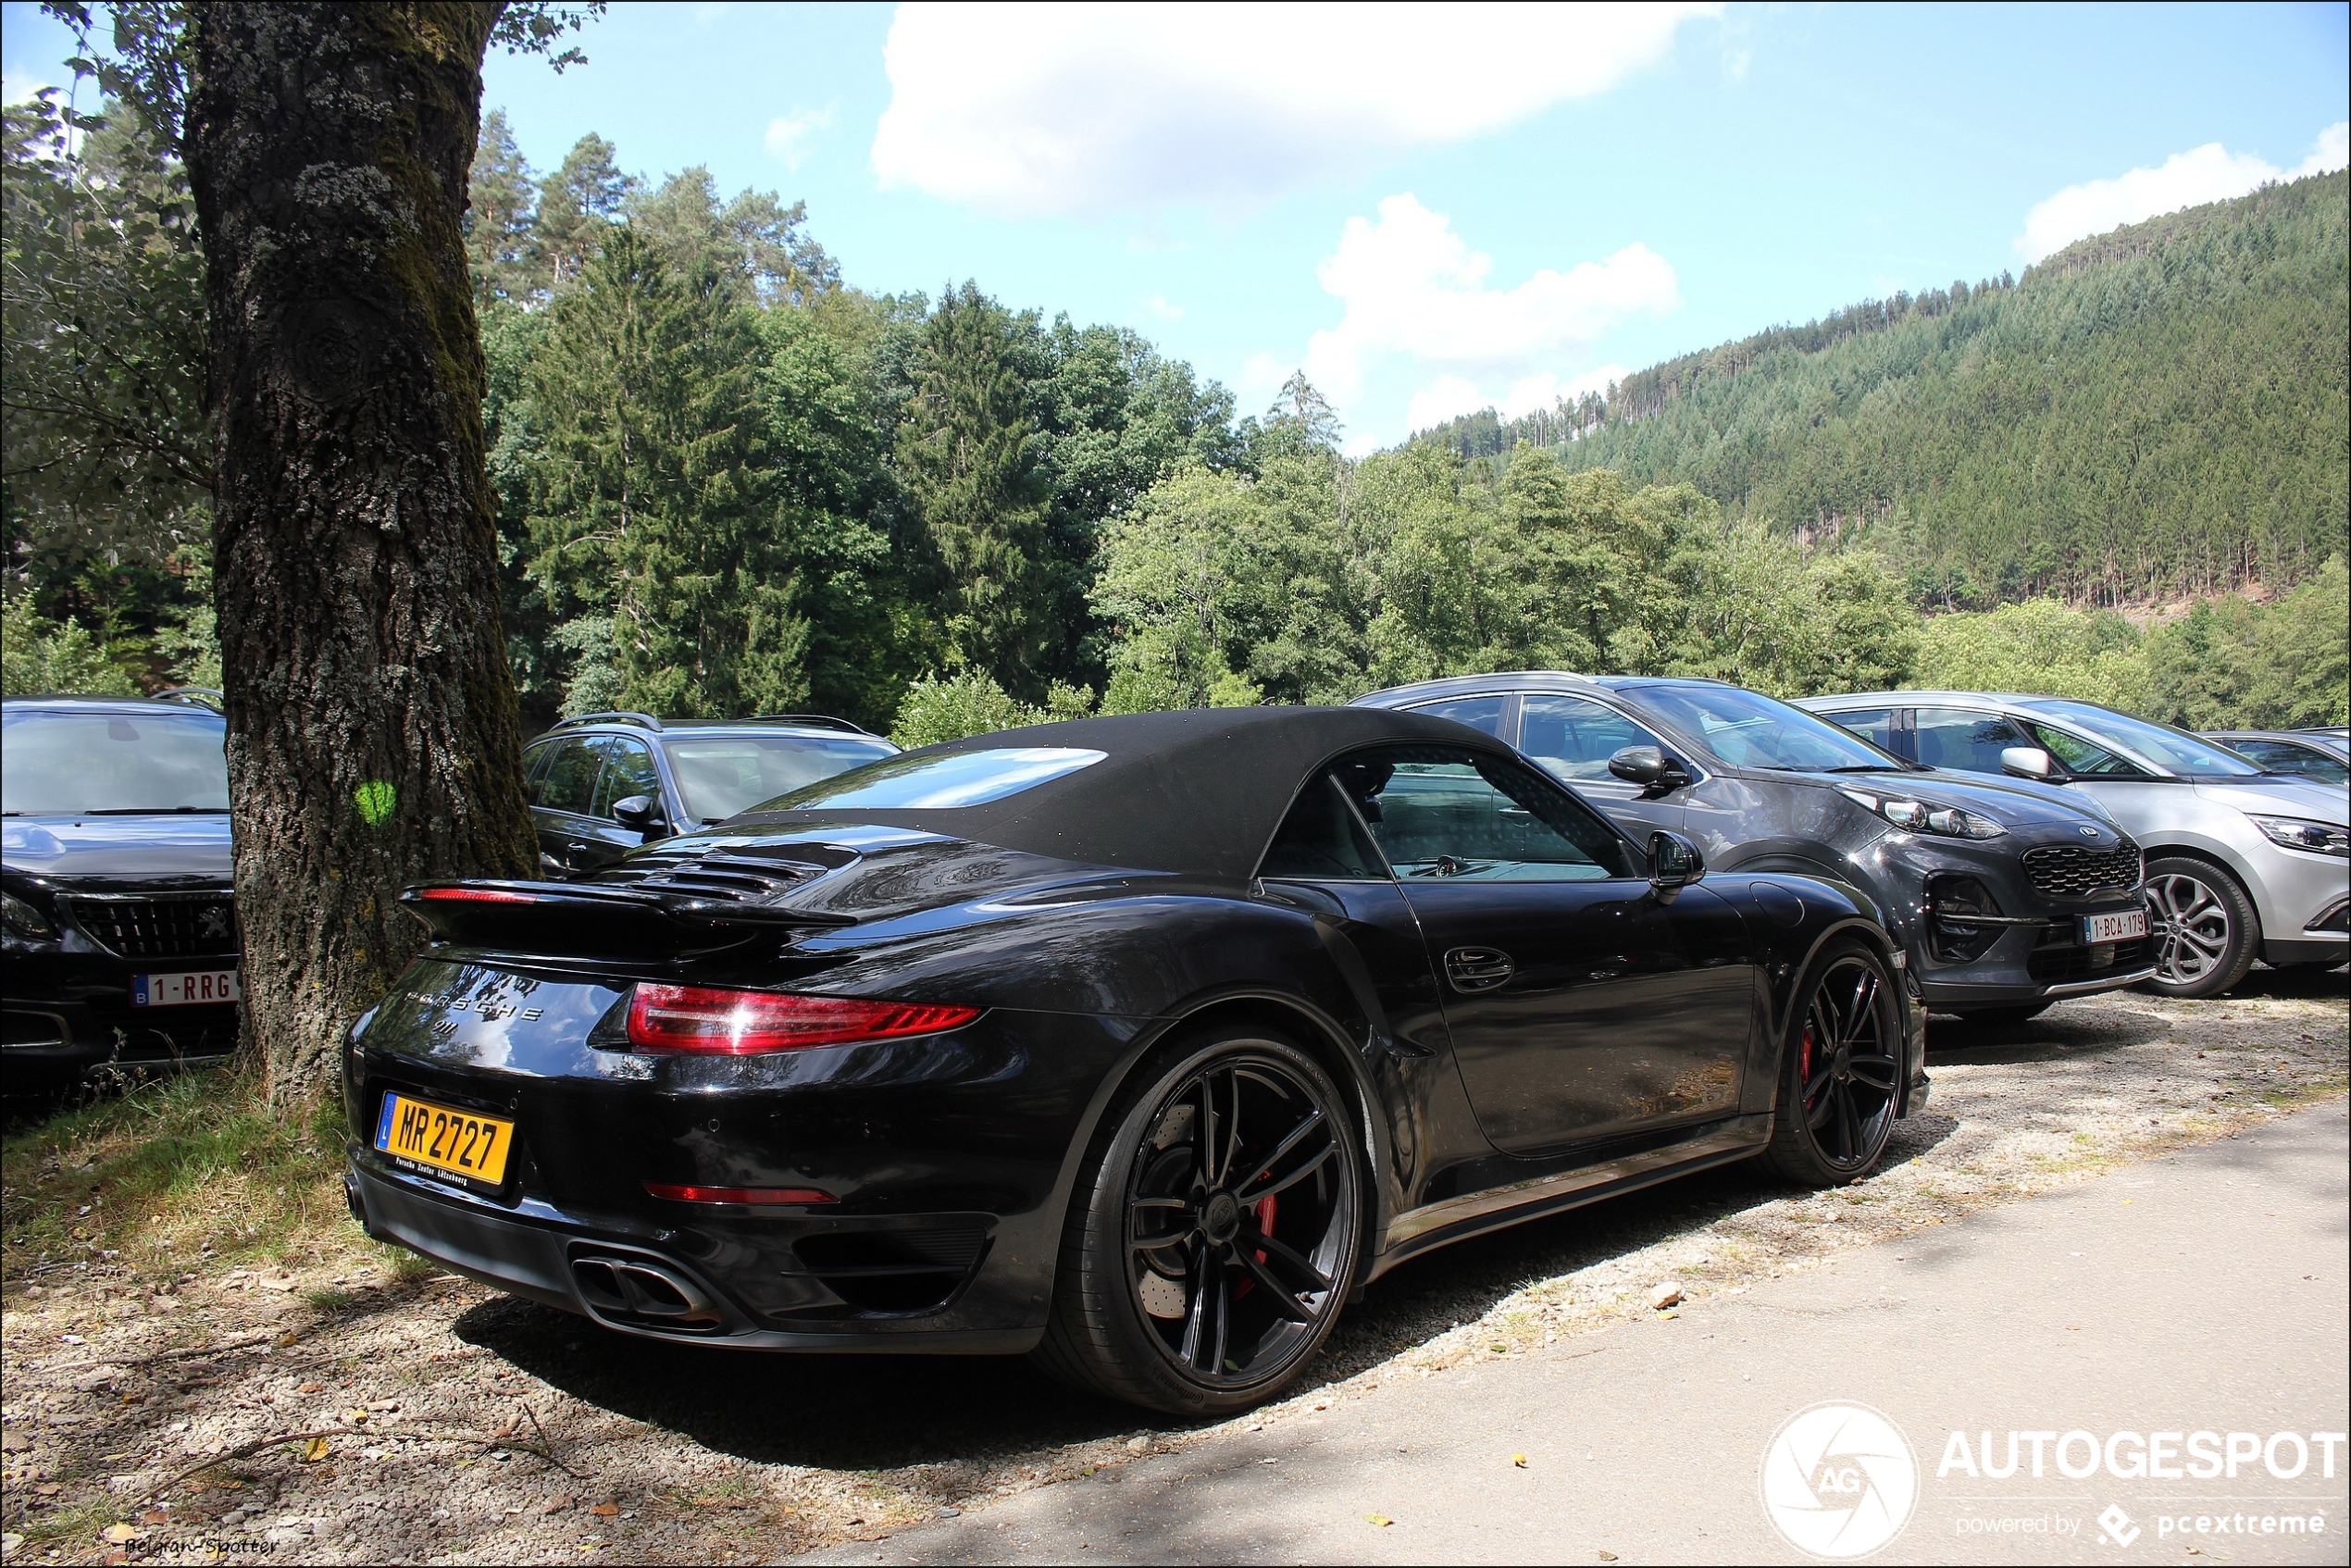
(23, 920)
(2299, 833)
(1925, 816)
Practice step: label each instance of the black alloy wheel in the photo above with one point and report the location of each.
(1217, 1235)
(1840, 1080)
(2205, 928)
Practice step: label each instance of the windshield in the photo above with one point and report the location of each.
(2174, 750)
(73, 764)
(920, 781)
(1747, 730)
(720, 776)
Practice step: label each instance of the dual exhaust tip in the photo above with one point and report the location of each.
(643, 1292)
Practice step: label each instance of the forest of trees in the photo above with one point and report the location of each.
(2160, 411)
(732, 482)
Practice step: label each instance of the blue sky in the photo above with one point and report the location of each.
(1431, 208)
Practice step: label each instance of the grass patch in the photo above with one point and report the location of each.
(186, 1172)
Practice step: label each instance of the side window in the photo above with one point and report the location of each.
(1970, 742)
(1574, 739)
(1874, 725)
(1478, 712)
(534, 763)
(1320, 840)
(2077, 755)
(629, 770)
(1437, 812)
(570, 783)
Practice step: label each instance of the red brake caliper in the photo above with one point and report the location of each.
(1804, 1064)
(1265, 1209)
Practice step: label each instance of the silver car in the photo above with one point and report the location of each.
(2241, 864)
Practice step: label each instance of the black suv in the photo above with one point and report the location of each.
(2005, 894)
(119, 921)
(602, 784)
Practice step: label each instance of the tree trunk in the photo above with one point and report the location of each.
(373, 735)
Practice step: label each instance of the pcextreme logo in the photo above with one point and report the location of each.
(1839, 1480)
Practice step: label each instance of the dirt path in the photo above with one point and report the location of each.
(453, 1424)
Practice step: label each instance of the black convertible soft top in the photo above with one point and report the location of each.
(1199, 790)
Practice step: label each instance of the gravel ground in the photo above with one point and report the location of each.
(351, 1415)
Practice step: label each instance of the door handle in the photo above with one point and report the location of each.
(1478, 968)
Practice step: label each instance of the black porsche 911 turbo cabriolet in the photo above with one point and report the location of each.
(1139, 1043)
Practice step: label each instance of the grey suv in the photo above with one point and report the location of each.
(2241, 864)
(602, 784)
(2004, 895)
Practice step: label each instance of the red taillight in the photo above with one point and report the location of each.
(474, 895)
(737, 1194)
(704, 1018)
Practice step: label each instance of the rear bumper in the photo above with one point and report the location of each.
(569, 1266)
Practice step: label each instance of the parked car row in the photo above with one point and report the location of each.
(1141, 1043)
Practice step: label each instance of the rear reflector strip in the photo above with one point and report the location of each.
(737, 1194)
(704, 1018)
(473, 895)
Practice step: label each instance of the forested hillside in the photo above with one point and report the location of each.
(2159, 411)
(730, 481)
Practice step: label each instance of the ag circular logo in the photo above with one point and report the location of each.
(1839, 1480)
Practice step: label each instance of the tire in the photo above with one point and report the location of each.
(2207, 933)
(1207, 1324)
(2002, 1018)
(1840, 1072)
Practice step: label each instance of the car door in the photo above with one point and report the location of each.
(1965, 740)
(567, 795)
(1572, 738)
(599, 839)
(1582, 1003)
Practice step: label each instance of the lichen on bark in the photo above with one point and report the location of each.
(373, 736)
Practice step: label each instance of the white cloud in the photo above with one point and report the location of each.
(18, 87)
(1414, 289)
(1450, 395)
(789, 135)
(1061, 108)
(2210, 173)
(1164, 307)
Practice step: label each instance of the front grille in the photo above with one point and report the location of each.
(2070, 871)
(716, 874)
(2063, 965)
(192, 925)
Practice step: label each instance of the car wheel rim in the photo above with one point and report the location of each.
(1241, 1209)
(2192, 928)
(1845, 1065)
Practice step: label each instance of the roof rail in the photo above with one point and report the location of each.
(825, 721)
(203, 696)
(642, 721)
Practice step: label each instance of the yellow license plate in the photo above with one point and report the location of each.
(464, 1143)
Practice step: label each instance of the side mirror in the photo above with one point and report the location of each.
(2027, 762)
(1674, 863)
(641, 814)
(1649, 768)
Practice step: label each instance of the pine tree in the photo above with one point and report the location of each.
(654, 518)
(576, 205)
(499, 227)
(968, 449)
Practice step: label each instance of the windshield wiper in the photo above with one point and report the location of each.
(1895, 765)
(155, 811)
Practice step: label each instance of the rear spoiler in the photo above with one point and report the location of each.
(592, 922)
